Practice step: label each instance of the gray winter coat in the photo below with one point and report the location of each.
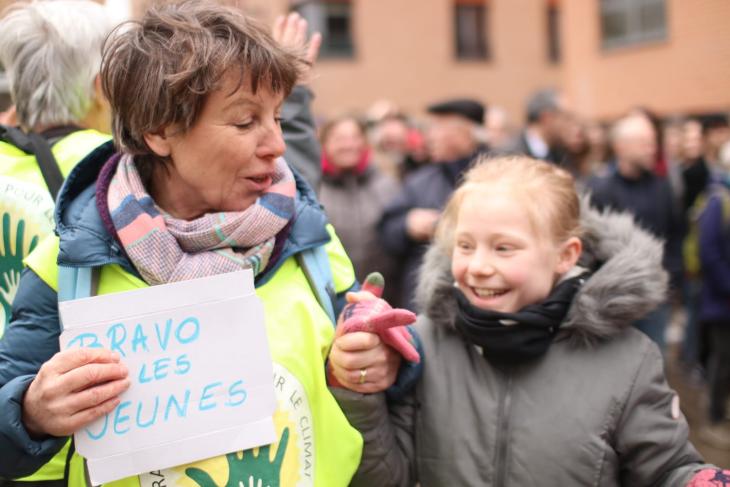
(354, 204)
(595, 410)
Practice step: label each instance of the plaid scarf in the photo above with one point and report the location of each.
(166, 249)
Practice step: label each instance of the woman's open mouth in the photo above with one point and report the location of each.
(260, 183)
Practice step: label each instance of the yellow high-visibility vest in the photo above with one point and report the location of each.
(321, 448)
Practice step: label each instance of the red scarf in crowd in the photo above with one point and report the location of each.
(330, 169)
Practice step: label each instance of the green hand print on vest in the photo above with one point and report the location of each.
(248, 470)
(11, 264)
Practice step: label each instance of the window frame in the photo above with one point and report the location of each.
(552, 27)
(635, 34)
(483, 51)
(318, 15)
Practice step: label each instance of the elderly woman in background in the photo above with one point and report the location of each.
(196, 91)
(51, 52)
(353, 193)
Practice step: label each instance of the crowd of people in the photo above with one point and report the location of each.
(540, 265)
(669, 174)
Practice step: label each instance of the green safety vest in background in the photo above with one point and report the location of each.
(26, 216)
(316, 445)
(26, 207)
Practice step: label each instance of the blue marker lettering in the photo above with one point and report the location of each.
(116, 342)
(163, 340)
(82, 343)
(182, 364)
(193, 335)
(160, 365)
(143, 379)
(182, 411)
(152, 420)
(139, 339)
(236, 389)
(101, 433)
(207, 395)
(119, 419)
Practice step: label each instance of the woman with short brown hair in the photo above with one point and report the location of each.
(195, 187)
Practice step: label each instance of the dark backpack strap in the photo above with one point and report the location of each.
(69, 455)
(38, 146)
(33, 483)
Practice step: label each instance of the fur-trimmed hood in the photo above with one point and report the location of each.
(628, 279)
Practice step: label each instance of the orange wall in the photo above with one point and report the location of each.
(688, 72)
(405, 52)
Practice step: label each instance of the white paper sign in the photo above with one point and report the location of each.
(199, 362)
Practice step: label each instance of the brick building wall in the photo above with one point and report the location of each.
(404, 51)
(686, 73)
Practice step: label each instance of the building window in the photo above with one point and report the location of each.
(470, 29)
(627, 22)
(553, 32)
(333, 18)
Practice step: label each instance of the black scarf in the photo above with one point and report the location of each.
(531, 329)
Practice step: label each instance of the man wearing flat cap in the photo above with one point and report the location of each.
(454, 138)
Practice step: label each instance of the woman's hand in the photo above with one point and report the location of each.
(72, 389)
(366, 311)
(361, 362)
(370, 341)
(291, 32)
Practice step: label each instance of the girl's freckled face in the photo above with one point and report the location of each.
(499, 261)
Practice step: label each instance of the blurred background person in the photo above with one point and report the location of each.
(672, 137)
(497, 128)
(634, 187)
(599, 148)
(545, 125)
(695, 169)
(701, 140)
(714, 242)
(672, 140)
(454, 137)
(390, 142)
(716, 134)
(660, 162)
(399, 146)
(695, 176)
(51, 52)
(353, 192)
(703, 171)
(577, 148)
(380, 110)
